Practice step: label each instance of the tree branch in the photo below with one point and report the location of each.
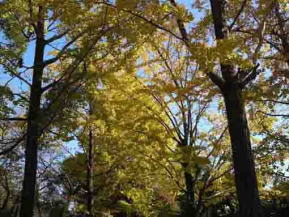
(238, 15)
(75, 64)
(18, 76)
(13, 146)
(181, 26)
(146, 20)
(216, 79)
(63, 50)
(56, 37)
(273, 101)
(13, 119)
(251, 76)
(274, 115)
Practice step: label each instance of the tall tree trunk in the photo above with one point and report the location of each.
(90, 171)
(244, 167)
(28, 190)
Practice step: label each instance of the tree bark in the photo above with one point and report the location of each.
(28, 189)
(189, 203)
(244, 167)
(90, 172)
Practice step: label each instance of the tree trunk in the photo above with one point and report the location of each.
(90, 165)
(244, 167)
(32, 135)
(189, 203)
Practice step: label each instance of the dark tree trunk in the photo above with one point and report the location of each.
(244, 167)
(189, 205)
(28, 190)
(90, 171)
(188, 209)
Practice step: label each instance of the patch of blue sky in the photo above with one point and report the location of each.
(71, 148)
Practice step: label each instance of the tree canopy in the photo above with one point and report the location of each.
(133, 108)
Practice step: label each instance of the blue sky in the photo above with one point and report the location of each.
(188, 3)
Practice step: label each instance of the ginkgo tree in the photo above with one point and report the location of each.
(141, 138)
(44, 24)
(127, 143)
(156, 84)
(171, 79)
(155, 93)
(231, 66)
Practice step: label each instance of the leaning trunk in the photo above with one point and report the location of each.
(32, 134)
(244, 167)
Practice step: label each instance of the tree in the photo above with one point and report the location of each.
(231, 87)
(171, 78)
(128, 150)
(231, 84)
(30, 20)
(145, 109)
